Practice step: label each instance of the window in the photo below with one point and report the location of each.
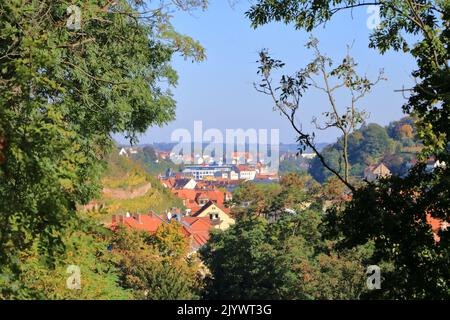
(214, 216)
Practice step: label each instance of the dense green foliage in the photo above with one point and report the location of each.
(63, 92)
(157, 267)
(283, 255)
(86, 248)
(299, 165)
(124, 264)
(393, 216)
(394, 146)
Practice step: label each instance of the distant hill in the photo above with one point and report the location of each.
(394, 145)
(293, 147)
(284, 147)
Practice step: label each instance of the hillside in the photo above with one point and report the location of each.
(128, 187)
(395, 145)
(153, 164)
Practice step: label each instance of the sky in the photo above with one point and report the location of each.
(220, 93)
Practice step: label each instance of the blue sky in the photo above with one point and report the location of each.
(219, 91)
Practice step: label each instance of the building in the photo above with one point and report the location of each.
(163, 154)
(127, 152)
(185, 183)
(193, 200)
(430, 166)
(200, 172)
(196, 229)
(144, 222)
(242, 157)
(433, 164)
(375, 172)
(309, 155)
(232, 175)
(220, 217)
(246, 172)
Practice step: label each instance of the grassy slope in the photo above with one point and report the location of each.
(128, 175)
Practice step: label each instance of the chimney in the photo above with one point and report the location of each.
(121, 218)
(114, 219)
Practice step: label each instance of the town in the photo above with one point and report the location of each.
(206, 191)
(224, 150)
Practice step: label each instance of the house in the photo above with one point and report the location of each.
(433, 164)
(126, 152)
(200, 172)
(163, 154)
(193, 200)
(267, 177)
(123, 152)
(167, 182)
(242, 157)
(185, 183)
(144, 222)
(430, 166)
(308, 155)
(246, 172)
(375, 172)
(218, 216)
(232, 175)
(196, 229)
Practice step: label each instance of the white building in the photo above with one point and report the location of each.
(311, 155)
(246, 173)
(126, 152)
(200, 172)
(232, 175)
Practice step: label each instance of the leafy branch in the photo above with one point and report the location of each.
(287, 98)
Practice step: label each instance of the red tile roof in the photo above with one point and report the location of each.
(436, 225)
(144, 222)
(195, 228)
(245, 168)
(168, 182)
(192, 197)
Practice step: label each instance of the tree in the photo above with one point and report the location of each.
(395, 215)
(406, 131)
(292, 88)
(87, 249)
(285, 259)
(394, 212)
(426, 19)
(282, 254)
(252, 196)
(374, 143)
(317, 170)
(366, 146)
(156, 267)
(63, 91)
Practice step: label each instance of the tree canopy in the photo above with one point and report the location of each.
(394, 213)
(63, 91)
